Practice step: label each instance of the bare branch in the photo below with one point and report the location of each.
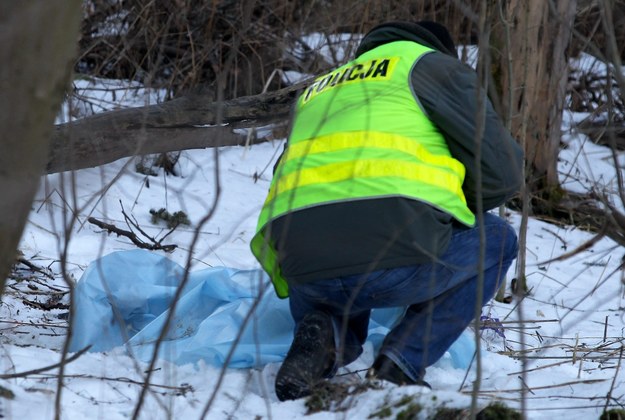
(132, 236)
(47, 368)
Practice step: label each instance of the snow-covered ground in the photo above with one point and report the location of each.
(573, 331)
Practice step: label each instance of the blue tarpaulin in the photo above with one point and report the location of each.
(123, 299)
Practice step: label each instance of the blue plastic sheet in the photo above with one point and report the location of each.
(123, 299)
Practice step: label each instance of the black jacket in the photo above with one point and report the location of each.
(361, 236)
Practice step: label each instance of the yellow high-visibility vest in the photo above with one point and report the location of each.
(359, 133)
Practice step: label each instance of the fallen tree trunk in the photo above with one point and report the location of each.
(188, 122)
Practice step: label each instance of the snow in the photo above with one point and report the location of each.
(91, 95)
(573, 331)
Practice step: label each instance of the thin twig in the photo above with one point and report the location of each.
(133, 221)
(32, 324)
(177, 296)
(480, 121)
(110, 228)
(618, 367)
(536, 388)
(525, 385)
(47, 368)
(182, 388)
(35, 268)
(586, 245)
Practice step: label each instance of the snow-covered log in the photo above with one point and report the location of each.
(188, 122)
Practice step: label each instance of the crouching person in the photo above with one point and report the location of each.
(373, 204)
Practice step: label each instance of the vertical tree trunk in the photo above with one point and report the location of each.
(530, 66)
(39, 40)
(540, 33)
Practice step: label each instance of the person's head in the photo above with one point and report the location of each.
(432, 34)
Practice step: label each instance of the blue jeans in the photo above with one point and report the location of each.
(439, 298)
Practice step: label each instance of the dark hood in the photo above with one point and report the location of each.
(420, 32)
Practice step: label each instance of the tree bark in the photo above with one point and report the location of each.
(188, 122)
(540, 33)
(39, 42)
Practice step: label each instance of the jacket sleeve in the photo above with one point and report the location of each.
(447, 90)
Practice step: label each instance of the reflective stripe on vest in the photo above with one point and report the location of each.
(345, 146)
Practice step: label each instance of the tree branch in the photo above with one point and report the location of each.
(156, 245)
(46, 368)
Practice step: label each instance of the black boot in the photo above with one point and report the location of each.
(385, 369)
(310, 358)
